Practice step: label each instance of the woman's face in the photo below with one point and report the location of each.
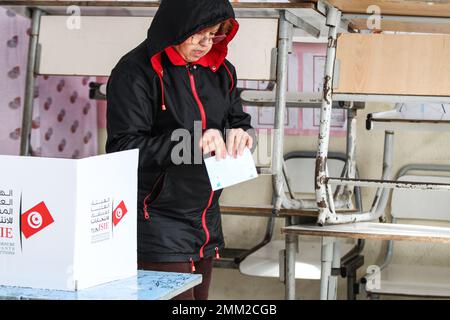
(197, 46)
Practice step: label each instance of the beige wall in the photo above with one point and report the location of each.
(243, 232)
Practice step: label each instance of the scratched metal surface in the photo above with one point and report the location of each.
(148, 285)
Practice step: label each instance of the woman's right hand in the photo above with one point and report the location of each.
(212, 141)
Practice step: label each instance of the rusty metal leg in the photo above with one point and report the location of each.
(351, 152)
(323, 197)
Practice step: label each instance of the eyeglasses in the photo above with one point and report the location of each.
(198, 37)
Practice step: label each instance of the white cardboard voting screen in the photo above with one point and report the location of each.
(68, 224)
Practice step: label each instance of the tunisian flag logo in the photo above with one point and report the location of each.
(36, 219)
(119, 212)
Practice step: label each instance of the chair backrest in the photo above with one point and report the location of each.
(301, 173)
(421, 204)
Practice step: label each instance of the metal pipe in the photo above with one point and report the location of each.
(323, 201)
(390, 184)
(422, 167)
(335, 264)
(27, 116)
(389, 251)
(267, 238)
(382, 194)
(310, 203)
(291, 250)
(403, 171)
(325, 271)
(343, 191)
(284, 42)
(284, 38)
(287, 180)
(351, 151)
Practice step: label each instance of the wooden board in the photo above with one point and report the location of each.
(375, 231)
(386, 25)
(394, 64)
(412, 8)
(96, 47)
(393, 7)
(396, 7)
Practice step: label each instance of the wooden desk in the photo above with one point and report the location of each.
(374, 231)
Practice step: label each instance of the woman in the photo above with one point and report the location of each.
(177, 76)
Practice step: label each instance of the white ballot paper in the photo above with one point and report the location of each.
(229, 171)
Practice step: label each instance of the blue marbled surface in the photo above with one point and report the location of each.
(148, 285)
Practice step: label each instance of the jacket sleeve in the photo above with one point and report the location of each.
(131, 109)
(237, 117)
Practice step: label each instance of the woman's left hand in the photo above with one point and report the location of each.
(237, 140)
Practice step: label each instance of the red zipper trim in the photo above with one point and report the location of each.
(163, 104)
(217, 253)
(203, 115)
(192, 265)
(204, 224)
(197, 99)
(146, 214)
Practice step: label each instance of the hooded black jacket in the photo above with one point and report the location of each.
(150, 93)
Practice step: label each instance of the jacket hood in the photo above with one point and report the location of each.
(177, 20)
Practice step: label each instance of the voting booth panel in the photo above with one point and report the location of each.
(68, 224)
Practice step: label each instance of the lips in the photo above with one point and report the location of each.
(198, 52)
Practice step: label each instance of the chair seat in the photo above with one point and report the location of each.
(414, 280)
(265, 261)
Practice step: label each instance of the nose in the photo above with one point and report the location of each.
(204, 43)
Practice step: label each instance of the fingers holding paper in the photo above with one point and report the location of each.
(237, 140)
(212, 141)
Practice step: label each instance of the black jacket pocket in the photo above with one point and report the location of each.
(155, 192)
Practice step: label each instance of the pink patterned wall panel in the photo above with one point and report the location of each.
(64, 118)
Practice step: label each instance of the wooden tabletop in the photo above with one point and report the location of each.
(374, 231)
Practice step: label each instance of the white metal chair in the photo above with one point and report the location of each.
(417, 205)
(268, 260)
